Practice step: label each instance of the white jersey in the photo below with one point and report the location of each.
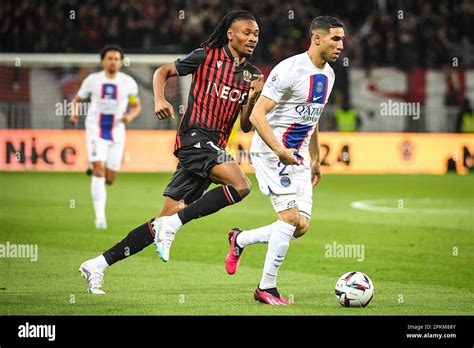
(109, 101)
(301, 91)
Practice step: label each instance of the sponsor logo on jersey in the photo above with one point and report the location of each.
(226, 92)
(309, 112)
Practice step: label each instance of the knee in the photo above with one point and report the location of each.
(244, 188)
(98, 170)
(291, 216)
(302, 228)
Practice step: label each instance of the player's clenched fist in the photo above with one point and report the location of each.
(163, 109)
(315, 173)
(256, 87)
(74, 119)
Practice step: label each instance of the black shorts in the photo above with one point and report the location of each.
(191, 177)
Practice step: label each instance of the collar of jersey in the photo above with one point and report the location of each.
(231, 57)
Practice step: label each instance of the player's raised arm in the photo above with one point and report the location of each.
(315, 158)
(163, 109)
(255, 89)
(259, 120)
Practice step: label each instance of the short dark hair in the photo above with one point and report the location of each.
(109, 48)
(325, 23)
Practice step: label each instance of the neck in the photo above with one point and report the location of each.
(235, 54)
(316, 58)
(110, 75)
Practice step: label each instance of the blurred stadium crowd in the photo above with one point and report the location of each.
(405, 34)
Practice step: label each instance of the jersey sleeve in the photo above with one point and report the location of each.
(190, 62)
(133, 94)
(86, 88)
(133, 88)
(278, 82)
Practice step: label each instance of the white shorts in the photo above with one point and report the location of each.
(107, 151)
(287, 186)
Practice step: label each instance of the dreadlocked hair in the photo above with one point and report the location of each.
(219, 37)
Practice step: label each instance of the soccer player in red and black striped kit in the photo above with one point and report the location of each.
(225, 84)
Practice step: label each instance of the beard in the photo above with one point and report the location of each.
(245, 55)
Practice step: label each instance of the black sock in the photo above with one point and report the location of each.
(272, 291)
(135, 241)
(212, 201)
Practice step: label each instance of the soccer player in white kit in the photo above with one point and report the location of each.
(285, 149)
(111, 92)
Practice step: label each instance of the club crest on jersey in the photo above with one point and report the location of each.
(247, 76)
(109, 91)
(285, 181)
(318, 89)
(273, 82)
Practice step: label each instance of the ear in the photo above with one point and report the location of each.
(316, 39)
(230, 34)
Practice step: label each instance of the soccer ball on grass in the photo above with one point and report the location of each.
(354, 289)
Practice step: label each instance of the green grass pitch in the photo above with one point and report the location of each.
(420, 259)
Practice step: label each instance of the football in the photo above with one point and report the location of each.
(354, 289)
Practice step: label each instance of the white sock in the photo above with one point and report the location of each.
(257, 235)
(277, 248)
(99, 196)
(100, 263)
(174, 222)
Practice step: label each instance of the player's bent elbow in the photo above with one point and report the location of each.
(246, 128)
(252, 118)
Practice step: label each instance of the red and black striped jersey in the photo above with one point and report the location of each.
(218, 91)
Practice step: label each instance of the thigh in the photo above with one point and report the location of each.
(304, 191)
(186, 186)
(96, 149)
(228, 173)
(114, 155)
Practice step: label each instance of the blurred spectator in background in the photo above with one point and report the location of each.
(405, 34)
(347, 119)
(465, 121)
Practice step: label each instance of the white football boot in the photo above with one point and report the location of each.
(94, 277)
(164, 237)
